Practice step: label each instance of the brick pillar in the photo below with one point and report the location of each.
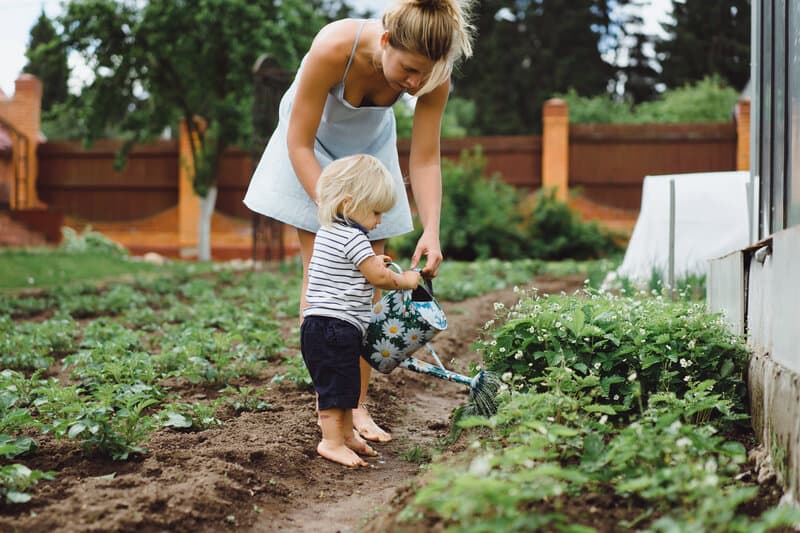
(188, 201)
(24, 113)
(555, 147)
(742, 113)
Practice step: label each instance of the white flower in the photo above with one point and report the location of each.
(685, 363)
(493, 343)
(498, 306)
(632, 376)
(392, 328)
(691, 344)
(518, 355)
(531, 329)
(597, 366)
(603, 419)
(558, 324)
(480, 466)
(507, 376)
(384, 354)
(616, 397)
(489, 323)
(687, 378)
(413, 337)
(668, 347)
(379, 310)
(551, 419)
(683, 442)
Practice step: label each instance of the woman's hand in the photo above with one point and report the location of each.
(428, 246)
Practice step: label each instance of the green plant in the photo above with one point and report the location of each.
(16, 479)
(556, 232)
(636, 346)
(296, 372)
(190, 416)
(116, 433)
(245, 398)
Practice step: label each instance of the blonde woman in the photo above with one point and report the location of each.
(353, 193)
(340, 104)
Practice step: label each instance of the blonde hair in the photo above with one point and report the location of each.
(439, 30)
(362, 179)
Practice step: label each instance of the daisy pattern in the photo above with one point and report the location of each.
(379, 311)
(413, 338)
(384, 355)
(393, 328)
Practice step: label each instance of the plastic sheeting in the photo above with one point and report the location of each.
(711, 220)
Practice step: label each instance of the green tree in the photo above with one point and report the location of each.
(157, 62)
(706, 38)
(47, 60)
(528, 50)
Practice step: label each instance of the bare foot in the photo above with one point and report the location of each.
(367, 427)
(359, 445)
(339, 454)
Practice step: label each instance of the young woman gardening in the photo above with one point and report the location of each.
(340, 104)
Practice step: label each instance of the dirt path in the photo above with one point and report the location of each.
(259, 472)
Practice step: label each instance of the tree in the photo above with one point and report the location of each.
(47, 60)
(159, 62)
(637, 69)
(706, 38)
(528, 50)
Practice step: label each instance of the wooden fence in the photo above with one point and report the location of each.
(608, 162)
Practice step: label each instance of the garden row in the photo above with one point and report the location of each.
(617, 413)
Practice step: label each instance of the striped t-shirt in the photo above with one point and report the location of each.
(336, 288)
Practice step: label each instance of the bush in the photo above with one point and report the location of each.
(484, 217)
(637, 347)
(708, 100)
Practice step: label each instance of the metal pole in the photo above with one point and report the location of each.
(671, 265)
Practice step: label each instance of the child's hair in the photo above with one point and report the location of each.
(437, 29)
(362, 179)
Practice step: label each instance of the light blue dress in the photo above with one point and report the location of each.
(275, 190)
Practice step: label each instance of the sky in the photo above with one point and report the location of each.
(18, 16)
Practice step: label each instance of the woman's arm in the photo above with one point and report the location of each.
(323, 68)
(426, 175)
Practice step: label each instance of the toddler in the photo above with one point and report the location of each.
(352, 194)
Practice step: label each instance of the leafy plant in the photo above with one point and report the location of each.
(296, 372)
(190, 416)
(17, 479)
(245, 398)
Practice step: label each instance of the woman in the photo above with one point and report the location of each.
(340, 104)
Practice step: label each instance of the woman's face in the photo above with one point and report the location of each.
(405, 70)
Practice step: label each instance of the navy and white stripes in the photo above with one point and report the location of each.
(336, 287)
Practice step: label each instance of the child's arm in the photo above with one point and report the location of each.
(381, 276)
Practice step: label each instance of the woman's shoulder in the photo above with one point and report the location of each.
(337, 37)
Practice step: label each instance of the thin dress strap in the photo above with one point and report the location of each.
(353, 51)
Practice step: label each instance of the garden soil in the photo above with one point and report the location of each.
(259, 472)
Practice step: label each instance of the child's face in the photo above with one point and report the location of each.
(367, 218)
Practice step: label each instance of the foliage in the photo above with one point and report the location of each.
(16, 479)
(553, 231)
(706, 38)
(296, 373)
(527, 51)
(638, 346)
(706, 100)
(458, 117)
(47, 60)
(486, 218)
(556, 436)
(190, 416)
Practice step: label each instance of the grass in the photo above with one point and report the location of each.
(44, 268)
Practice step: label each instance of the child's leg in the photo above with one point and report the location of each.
(332, 446)
(353, 440)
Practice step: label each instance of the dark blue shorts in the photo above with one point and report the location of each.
(331, 349)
